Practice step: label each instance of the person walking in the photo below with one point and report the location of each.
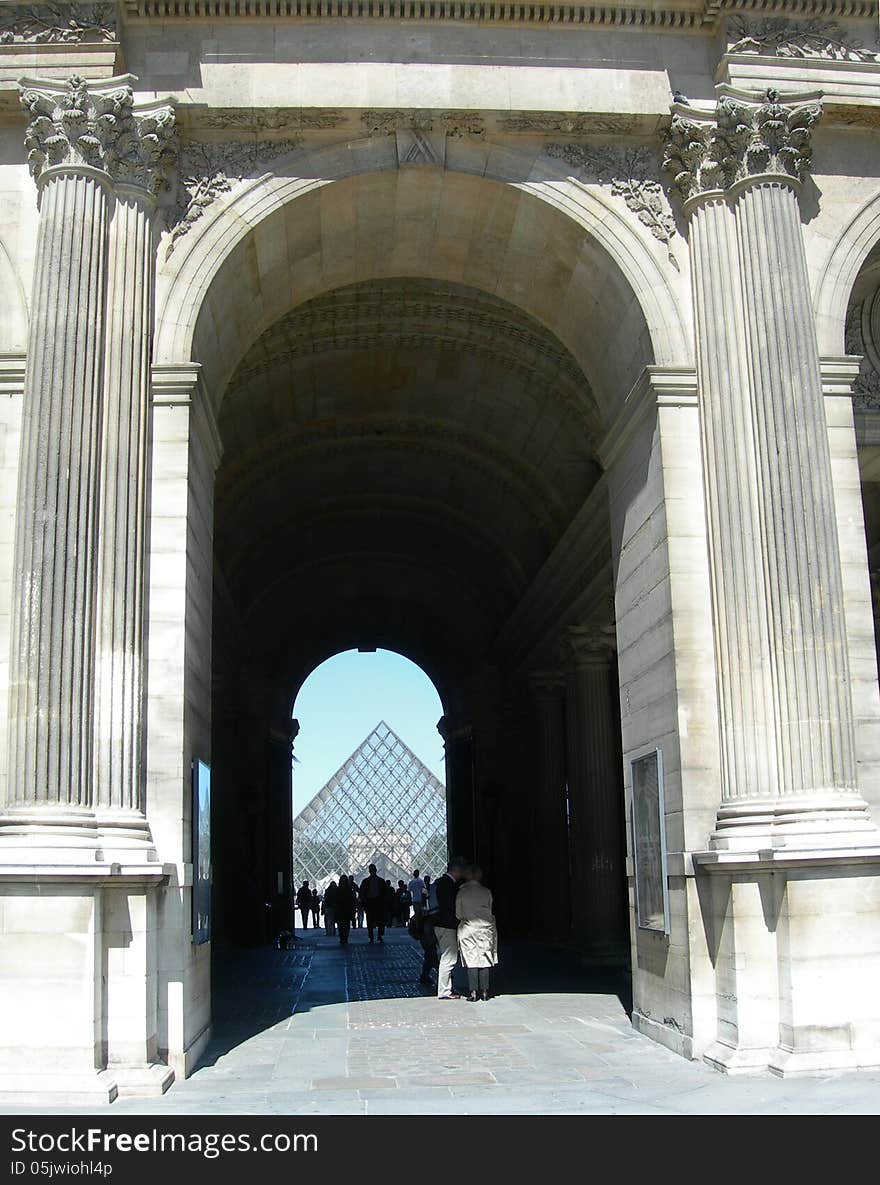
(417, 892)
(345, 906)
(477, 933)
(316, 908)
(390, 904)
(304, 903)
(445, 924)
(372, 895)
(328, 908)
(404, 900)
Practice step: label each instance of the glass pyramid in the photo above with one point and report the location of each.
(382, 807)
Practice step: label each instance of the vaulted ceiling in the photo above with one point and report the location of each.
(399, 442)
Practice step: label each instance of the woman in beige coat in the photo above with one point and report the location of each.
(477, 933)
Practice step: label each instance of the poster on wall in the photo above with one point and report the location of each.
(201, 853)
(649, 843)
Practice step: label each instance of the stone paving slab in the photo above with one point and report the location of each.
(326, 1030)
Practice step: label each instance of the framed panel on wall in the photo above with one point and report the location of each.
(649, 843)
(201, 852)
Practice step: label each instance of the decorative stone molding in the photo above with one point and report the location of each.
(455, 124)
(41, 24)
(690, 14)
(267, 119)
(79, 123)
(206, 171)
(866, 388)
(632, 175)
(568, 124)
(744, 137)
(783, 38)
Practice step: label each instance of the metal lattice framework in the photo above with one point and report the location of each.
(382, 807)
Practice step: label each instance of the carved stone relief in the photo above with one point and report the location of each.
(39, 24)
(783, 38)
(632, 174)
(451, 123)
(207, 170)
(860, 340)
(267, 119)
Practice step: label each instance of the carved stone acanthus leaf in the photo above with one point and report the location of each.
(690, 157)
(207, 170)
(767, 138)
(455, 124)
(631, 174)
(101, 128)
(269, 119)
(38, 24)
(866, 388)
(744, 139)
(782, 38)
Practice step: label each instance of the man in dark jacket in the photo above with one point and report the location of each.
(372, 894)
(445, 925)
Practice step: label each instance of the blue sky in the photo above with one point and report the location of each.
(345, 698)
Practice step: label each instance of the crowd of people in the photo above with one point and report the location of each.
(452, 918)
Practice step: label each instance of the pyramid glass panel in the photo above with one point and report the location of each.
(382, 807)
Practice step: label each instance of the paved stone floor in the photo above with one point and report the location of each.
(324, 1030)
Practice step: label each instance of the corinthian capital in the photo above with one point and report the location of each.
(743, 136)
(97, 124)
(588, 645)
(767, 136)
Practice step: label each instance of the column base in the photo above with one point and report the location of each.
(728, 1059)
(50, 835)
(791, 1063)
(144, 1081)
(58, 1090)
(820, 820)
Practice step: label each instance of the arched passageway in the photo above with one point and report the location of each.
(400, 457)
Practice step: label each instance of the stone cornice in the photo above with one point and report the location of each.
(657, 386)
(674, 15)
(181, 385)
(76, 123)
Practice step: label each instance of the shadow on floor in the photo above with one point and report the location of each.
(255, 989)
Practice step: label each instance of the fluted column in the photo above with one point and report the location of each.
(79, 532)
(551, 915)
(123, 475)
(595, 794)
(739, 595)
(786, 715)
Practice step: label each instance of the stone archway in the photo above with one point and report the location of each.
(409, 382)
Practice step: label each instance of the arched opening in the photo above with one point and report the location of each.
(369, 778)
(429, 449)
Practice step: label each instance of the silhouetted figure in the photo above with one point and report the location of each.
(404, 900)
(372, 895)
(316, 908)
(345, 908)
(304, 903)
(328, 908)
(477, 933)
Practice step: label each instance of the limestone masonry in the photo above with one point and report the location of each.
(540, 343)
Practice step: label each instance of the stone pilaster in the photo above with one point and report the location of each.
(551, 914)
(787, 731)
(595, 794)
(77, 650)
